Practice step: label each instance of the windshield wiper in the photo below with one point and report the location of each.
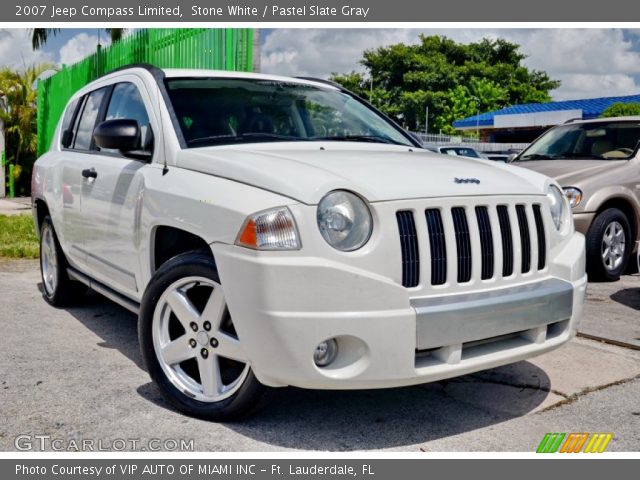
(588, 156)
(536, 156)
(359, 138)
(242, 136)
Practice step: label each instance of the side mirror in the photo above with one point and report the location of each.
(67, 138)
(121, 134)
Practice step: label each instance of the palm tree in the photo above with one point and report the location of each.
(18, 113)
(39, 36)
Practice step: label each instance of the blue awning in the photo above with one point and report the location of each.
(591, 108)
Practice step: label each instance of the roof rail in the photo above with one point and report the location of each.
(156, 71)
(571, 120)
(322, 80)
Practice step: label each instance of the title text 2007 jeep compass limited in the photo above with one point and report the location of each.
(276, 231)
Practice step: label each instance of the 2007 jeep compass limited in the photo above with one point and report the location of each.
(274, 231)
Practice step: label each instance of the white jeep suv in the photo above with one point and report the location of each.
(274, 231)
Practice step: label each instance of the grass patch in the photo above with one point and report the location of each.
(18, 237)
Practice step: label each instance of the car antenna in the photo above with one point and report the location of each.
(165, 168)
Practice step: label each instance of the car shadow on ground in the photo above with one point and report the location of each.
(117, 327)
(351, 420)
(629, 297)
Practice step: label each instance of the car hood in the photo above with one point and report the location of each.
(571, 172)
(306, 171)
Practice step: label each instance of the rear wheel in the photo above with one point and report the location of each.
(609, 245)
(190, 345)
(57, 288)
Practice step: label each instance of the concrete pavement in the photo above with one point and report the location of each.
(15, 206)
(77, 374)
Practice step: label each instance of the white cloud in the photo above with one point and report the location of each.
(79, 47)
(319, 52)
(16, 51)
(576, 86)
(590, 62)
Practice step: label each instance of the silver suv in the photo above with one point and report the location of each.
(598, 166)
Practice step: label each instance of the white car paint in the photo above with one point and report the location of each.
(284, 303)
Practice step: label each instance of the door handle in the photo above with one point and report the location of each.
(89, 173)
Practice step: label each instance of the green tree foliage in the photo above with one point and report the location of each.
(454, 80)
(622, 110)
(18, 114)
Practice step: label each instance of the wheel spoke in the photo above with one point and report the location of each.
(182, 308)
(177, 351)
(210, 378)
(229, 347)
(215, 308)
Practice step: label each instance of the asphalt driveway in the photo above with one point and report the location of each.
(76, 374)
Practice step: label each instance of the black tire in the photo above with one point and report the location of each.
(596, 268)
(246, 399)
(64, 292)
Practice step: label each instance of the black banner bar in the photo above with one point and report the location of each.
(353, 11)
(335, 469)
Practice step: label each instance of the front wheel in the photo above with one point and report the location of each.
(609, 245)
(190, 345)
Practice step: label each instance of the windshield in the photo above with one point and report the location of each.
(595, 140)
(224, 111)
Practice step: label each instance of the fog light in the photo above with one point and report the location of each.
(325, 352)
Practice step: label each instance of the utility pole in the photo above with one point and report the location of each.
(477, 100)
(426, 122)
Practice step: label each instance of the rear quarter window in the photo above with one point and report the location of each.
(87, 122)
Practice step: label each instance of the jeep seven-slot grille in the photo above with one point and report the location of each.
(507, 240)
(409, 245)
(453, 236)
(542, 243)
(486, 242)
(463, 243)
(525, 240)
(438, 246)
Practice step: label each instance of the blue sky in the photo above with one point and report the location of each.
(589, 62)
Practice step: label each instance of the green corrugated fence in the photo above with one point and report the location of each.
(206, 48)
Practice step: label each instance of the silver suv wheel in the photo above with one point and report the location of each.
(194, 340)
(613, 246)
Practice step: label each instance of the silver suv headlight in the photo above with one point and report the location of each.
(559, 207)
(344, 220)
(574, 196)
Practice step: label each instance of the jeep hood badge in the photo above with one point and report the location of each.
(466, 180)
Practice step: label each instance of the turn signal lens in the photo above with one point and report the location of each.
(574, 195)
(270, 230)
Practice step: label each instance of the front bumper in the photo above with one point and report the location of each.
(283, 306)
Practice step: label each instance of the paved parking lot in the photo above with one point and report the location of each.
(76, 374)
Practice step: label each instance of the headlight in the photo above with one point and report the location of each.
(559, 210)
(344, 220)
(273, 229)
(574, 195)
